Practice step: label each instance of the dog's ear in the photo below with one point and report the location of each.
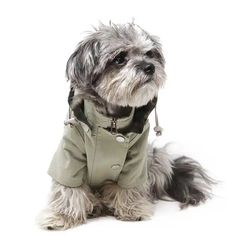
(81, 64)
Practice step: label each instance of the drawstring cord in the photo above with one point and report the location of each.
(157, 128)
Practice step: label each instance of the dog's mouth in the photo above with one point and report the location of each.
(142, 83)
(148, 80)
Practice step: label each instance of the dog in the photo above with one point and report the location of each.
(103, 165)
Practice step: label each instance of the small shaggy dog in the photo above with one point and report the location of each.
(103, 165)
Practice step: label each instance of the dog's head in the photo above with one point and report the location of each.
(122, 64)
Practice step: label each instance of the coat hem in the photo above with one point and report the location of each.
(65, 183)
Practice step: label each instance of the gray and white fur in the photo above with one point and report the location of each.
(118, 67)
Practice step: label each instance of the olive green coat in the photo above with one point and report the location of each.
(90, 153)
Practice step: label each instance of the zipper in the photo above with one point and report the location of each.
(113, 126)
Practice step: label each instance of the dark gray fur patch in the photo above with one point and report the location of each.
(190, 184)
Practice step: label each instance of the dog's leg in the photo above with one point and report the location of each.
(128, 204)
(160, 170)
(68, 207)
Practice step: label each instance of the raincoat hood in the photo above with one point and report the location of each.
(140, 115)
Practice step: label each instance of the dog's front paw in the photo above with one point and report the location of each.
(126, 217)
(53, 221)
(97, 211)
(134, 212)
(127, 204)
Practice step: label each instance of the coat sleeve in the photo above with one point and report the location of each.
(68, 166)
(134, 172)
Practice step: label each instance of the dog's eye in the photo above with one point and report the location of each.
(154, 54)
(149, 54)
(120, 58)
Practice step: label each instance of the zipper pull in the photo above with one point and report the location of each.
(113, 126)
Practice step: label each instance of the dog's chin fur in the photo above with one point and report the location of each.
(137, 98)
(95, 76)
(141, 97)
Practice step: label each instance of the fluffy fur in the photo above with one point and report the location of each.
(118, 67)
(94, 67)
(69, 207)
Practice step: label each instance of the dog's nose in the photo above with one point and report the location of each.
(149, 69)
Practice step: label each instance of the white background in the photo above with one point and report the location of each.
(196, 107)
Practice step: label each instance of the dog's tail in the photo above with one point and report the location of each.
(190, 184)
(181, 179)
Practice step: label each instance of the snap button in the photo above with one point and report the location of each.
(120, 139)
(115, 166)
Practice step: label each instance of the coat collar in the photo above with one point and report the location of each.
(140, 115)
